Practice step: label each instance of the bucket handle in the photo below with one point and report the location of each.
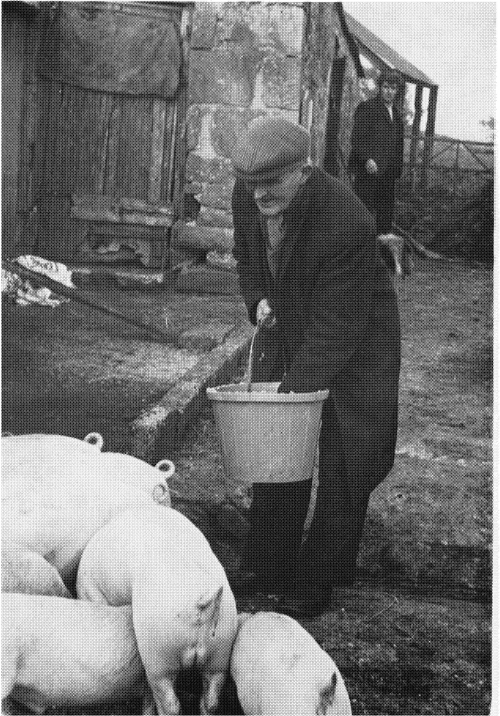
(250, 360)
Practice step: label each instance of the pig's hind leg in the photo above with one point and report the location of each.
(164, 695)
(213, 683)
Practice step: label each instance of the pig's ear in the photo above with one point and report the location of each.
(327, 696)
(209, 608)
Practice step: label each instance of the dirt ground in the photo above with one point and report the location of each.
(413, 636)
(72, 370)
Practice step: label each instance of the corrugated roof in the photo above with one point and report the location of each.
(390, 57)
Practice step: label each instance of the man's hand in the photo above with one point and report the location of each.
(371, 166)
(264, 313)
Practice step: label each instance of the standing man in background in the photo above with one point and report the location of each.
(309, 267)
(376, 160)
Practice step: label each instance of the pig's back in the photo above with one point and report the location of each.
(138, 540)
(279, 668)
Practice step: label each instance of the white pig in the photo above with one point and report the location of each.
(55, 469)
(67, 653)
(183, 608)
(28, 572)
(278, 668)
(57, 491)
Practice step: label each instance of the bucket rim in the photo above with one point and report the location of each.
(230, 393)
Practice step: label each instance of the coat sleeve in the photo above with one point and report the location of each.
(340, 306)
(362, 136)
(244, 251)
(399, 150)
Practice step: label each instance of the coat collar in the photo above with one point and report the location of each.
(383, 111)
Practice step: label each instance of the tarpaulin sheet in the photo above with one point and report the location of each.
(105, 49)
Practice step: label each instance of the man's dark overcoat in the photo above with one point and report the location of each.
(336, 313)
(375, 136)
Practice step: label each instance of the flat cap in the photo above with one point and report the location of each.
(268, 147)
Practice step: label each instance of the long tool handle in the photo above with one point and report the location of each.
(78, 295)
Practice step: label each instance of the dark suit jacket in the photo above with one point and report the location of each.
(374, 136)
(336, 312)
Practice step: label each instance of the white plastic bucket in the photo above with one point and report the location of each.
(267, 436)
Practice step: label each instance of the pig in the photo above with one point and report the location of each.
(57, 491)
(183, 609)
(66, 653)
(278, 668)
(27, 572)
(55, 468)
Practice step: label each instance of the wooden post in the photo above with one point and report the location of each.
(415, 136)
(429, 136)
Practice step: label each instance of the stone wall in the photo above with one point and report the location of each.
(245, 60)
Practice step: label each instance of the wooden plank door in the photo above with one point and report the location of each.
(104, 168)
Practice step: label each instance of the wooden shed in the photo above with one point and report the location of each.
(119, 120)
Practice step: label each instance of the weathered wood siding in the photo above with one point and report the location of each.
(16, 124)
(90, 148)
(93, 142)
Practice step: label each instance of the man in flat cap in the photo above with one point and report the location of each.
(310, 271)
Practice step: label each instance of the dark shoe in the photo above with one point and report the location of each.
(303, 607)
